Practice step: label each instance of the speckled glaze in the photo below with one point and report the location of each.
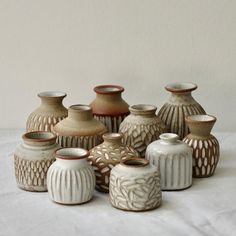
(109, 107)
(49, 113)
(32, 158)
(141, 127)
(70, 178)
(206, 149)
(135, 185)
(79, 129)
(174, 159)
(106, 155)
(179, 105)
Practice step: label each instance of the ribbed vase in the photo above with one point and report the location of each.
(180, 104)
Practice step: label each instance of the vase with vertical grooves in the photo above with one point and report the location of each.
(49, 113)
(106, 155)
(33, 158)
(79, 129)
(109, 107)
(180, 104)
(135, 185)
(141, 127)
(174, 160)
(206, 149)
(70, 178)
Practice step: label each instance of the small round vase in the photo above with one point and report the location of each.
(174, 159)
(50, 112)
(33, 158)
(106, 155)
(79, 129)
(135, 185)
(180, 104)
(70, 178)
(141, 127)
(109, 107)
(206, 150)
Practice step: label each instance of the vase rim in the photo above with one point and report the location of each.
(39, 136)
(135, 162)
(171, 137)
(52, 94)
(108, 89)
(201, 119)
(143, 108)
(112, 136)
(80, 107)
(181, 87)
(71, 153)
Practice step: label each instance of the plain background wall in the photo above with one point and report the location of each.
(73, 45)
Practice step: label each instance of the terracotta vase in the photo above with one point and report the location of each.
(33, 157)
(206, 150)
(141, 127)
(109, 107)
(106, 155)
(174, 160)
(49, 113)
(79, 129)
(70, 178)
(180, 104)
(135, 185)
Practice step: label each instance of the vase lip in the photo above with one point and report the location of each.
(112, 136)
(169, 137)
(52, 94)
(181, 87)
(108, 89)
(135, 162)
(39, 136)
(71, 153)
(204, 118)
(142, 108)
(80, 107)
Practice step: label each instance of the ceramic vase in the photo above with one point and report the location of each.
(33, 157)
(79, 129)
(141, 127)
(206, 150)
(70, 178)
(49, 113)
(106, 155)
(109, 107)
(174, 160)
(180, 104)
(135, 185)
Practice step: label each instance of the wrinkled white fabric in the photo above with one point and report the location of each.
(207, 208)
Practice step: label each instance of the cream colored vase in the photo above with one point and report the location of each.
(50, 112)
(33, 157)
(70, 178)
(79, 129)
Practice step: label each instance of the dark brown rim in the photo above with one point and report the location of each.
(142, 161)
(24, 136)
(170, 87)
(98, 89)
(57, 94)
(71, 157)
(190, 120)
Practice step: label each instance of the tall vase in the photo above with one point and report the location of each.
(206, 150)
(79, 129)
(141, 127)
(109, 107)
(49, 113)
(180, 104)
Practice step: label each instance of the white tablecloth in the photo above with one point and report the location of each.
(207, 208)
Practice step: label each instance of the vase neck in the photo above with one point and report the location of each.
(80, 112)
(109, 97)
(169, 138)
(51, 98)
(113, 138)
(143, 110)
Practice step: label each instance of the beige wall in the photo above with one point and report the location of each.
(73, 45)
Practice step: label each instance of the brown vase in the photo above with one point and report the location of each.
(79, 129)
(49, 113)
(179, 105)
(206, 150)
(109, 107)
(106, 155)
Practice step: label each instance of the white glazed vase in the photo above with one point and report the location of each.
(174, 160)
(135, 185)
(71, 180)
(32, 159)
